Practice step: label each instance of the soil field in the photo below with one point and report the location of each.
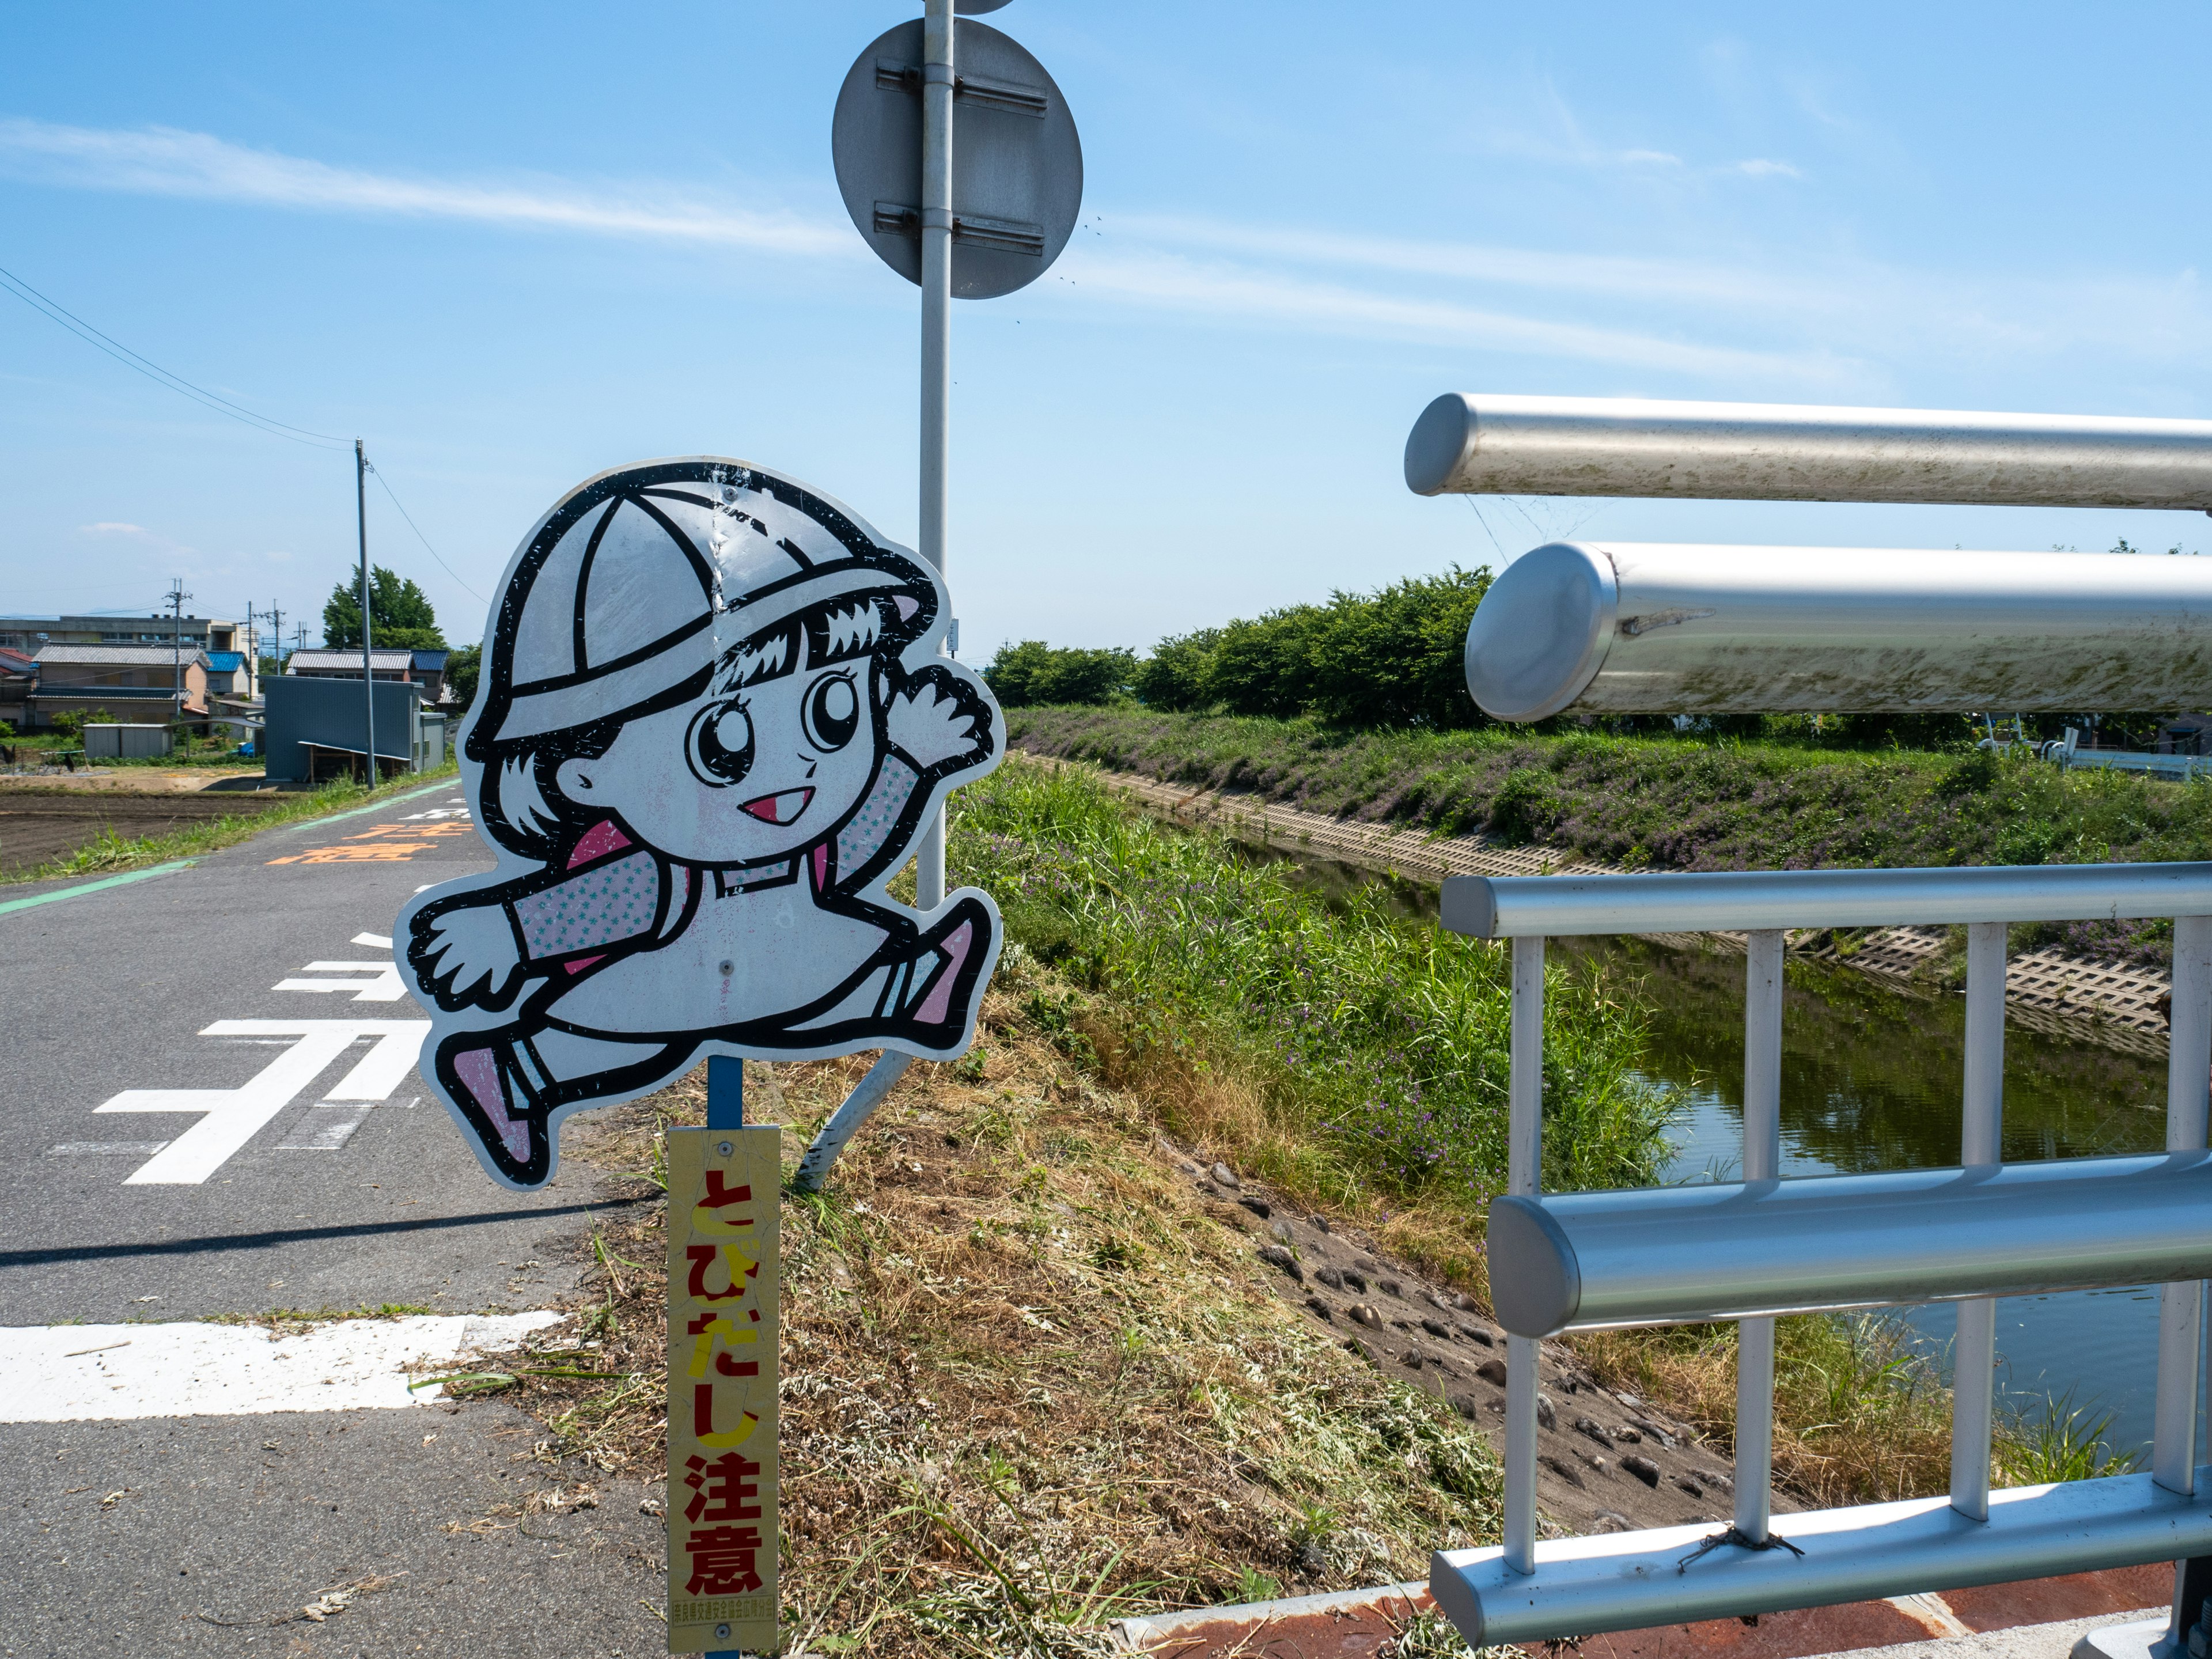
(37, 824)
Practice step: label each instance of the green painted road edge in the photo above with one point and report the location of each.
(187, 863)
(451, 781)
(94, 886)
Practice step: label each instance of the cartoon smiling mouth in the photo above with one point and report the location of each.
(779, 809)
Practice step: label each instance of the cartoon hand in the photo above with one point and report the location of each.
(466, 955)
(936, 720)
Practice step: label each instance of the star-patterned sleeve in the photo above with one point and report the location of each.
(598, 908)
(868, 832)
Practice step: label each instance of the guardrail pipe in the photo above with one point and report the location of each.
(1667, 1255)
(1511, 906)
(1973, 1351)
(1483, 443)
(1635, 1581)
(1641, 626)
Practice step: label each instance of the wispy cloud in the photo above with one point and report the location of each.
(166, 161)
(1779, 320)
(1168, 279)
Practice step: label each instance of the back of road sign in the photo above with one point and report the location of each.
(1017, 163)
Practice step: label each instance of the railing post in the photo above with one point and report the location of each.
(1523, 1178)
(2181, 1307)
(1762, 1161)
(1973, 1352)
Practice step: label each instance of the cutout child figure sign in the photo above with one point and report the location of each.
(711, 720)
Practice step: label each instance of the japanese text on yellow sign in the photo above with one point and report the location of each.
(722, 1297)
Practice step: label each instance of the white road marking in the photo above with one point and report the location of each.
(231, 1117)
(102, 1148)
(374, 941)
(76, 1373)
(382, 986)
(324, 1127)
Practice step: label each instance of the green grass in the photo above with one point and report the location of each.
(109, 852)
(1377, 1047)
(1673, 802)
(1375, 1053)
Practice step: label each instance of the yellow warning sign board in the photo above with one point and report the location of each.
(723, 1293)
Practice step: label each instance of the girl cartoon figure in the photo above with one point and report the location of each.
(711, 720)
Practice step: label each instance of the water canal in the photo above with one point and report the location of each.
(1871, 1080)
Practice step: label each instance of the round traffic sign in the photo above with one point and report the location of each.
(1017, 163)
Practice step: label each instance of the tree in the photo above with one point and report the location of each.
(1035, 673)
(461, 669)
(399, 611)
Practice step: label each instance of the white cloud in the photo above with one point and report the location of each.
(166, 161)
(1829, 322)
(1222, 290)
(112, 529)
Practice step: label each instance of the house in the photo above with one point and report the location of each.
(208, 634)
(229, 675)
(19, 677)
(137, 685)
(2186, 734)
(424, 668)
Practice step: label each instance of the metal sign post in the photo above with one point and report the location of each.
(960, 166)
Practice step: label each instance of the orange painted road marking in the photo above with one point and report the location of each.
(384, 848)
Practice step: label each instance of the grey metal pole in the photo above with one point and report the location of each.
(2189, 1080)
(1973, 1352)
(1523, 1178)
(368, 669)
(177, 652)
(1479, 444)
(937, 82)
(1762, 1161)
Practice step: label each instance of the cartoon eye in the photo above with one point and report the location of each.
(831, 713)
(719, 746)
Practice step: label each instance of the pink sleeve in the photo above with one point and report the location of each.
(868, 830)
(605, 905)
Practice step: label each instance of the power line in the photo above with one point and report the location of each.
(422, 538)
(153, 371)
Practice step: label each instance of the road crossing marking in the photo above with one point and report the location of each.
(382, 986)
(231, 1117)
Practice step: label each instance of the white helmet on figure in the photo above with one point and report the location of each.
(627, 595)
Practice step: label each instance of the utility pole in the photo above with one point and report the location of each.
(277, 633)
(177, 597)
(368, 671)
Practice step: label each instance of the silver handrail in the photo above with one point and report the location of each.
(1485, 443)
(1765, 1245)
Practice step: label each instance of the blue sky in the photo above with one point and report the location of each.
(510, 246)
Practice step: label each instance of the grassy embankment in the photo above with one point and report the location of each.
(1672, 803)
(110, 852)
(1033, 1383)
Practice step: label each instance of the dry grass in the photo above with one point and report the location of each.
(1031, 1381)
(1859, 1414)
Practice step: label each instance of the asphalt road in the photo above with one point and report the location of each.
(267, 1144)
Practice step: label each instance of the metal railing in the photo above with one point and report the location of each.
(1761, 1247)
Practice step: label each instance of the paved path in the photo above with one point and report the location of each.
(214, 1109)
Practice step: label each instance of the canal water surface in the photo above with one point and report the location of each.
(1871, 1080)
